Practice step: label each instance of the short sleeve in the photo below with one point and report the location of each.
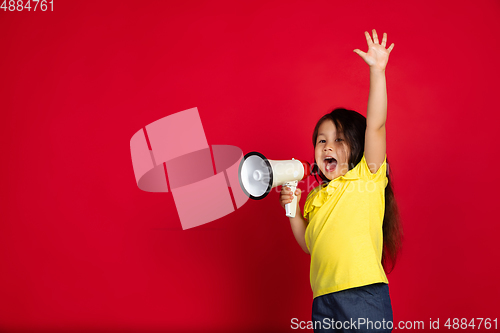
(366, 174)
(308, 207)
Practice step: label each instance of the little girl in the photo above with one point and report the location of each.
(351, 225)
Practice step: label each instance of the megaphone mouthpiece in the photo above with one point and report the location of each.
(307, 169)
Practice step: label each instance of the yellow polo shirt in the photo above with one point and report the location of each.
(344, 234)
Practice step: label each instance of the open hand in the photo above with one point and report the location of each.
(377, 55)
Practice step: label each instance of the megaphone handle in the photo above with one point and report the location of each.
(291, 208)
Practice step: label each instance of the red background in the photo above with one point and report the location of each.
(82, 248)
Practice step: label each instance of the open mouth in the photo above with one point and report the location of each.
(330, 164)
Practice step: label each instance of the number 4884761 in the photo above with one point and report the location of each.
(28, 5)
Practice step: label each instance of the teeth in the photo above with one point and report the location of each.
(330, 164)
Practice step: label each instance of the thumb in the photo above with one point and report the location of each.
(360, 53)
(298, 192)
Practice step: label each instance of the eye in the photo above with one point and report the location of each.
(338, 140)
(321, 141)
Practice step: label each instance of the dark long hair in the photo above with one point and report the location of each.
(353, 125)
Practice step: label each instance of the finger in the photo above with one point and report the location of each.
(384, 39)
(375, 36)
(390, 47)
(368, 38)
(285, 201)
(360, 53)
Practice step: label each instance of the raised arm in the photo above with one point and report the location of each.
(377, 58)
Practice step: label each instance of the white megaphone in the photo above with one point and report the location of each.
(258, 175)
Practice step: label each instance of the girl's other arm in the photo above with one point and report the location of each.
(375, 138)
(297, 223)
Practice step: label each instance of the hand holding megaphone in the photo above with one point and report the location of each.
(258, 175)
(289, 197)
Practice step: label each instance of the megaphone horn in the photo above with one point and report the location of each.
(258, 175)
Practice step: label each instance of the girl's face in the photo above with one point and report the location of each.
(331, 151)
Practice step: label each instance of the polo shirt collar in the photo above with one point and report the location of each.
(327, 191)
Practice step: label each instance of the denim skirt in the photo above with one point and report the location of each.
(362, 309)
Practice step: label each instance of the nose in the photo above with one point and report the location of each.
(327, 148)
